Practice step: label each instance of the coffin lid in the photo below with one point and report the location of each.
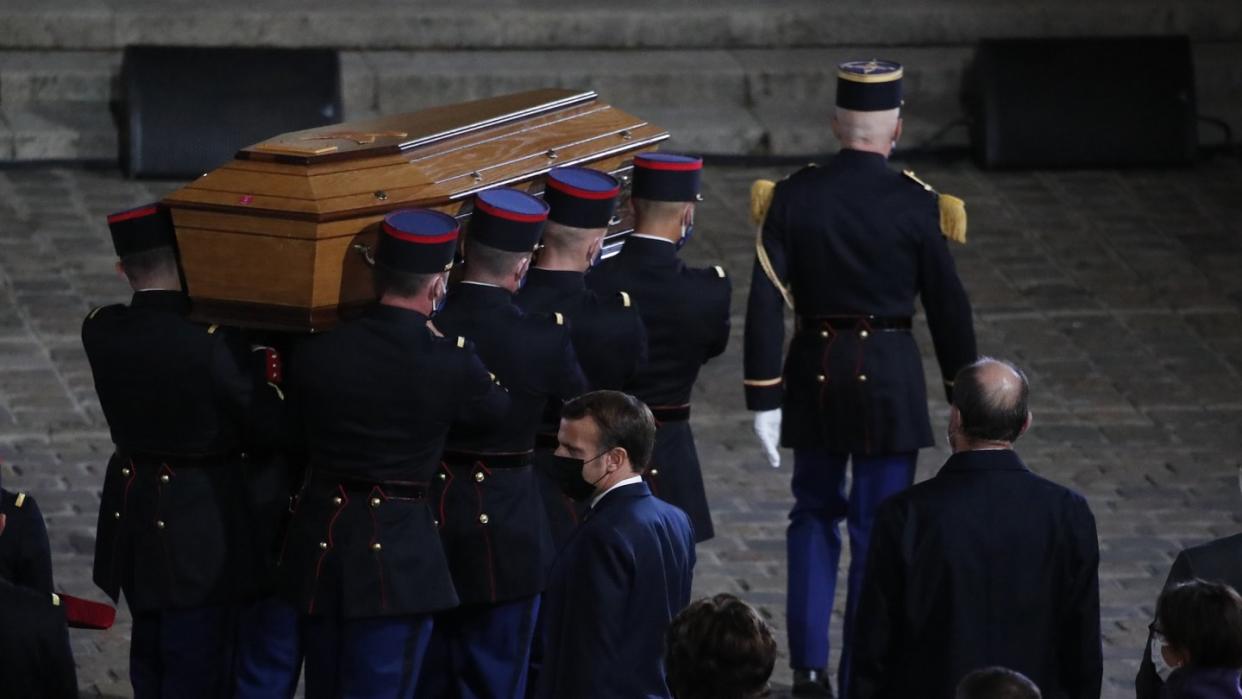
(431, 157)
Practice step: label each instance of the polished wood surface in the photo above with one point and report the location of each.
(271, 239)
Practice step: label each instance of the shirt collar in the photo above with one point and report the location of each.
(653, 237)
(628, 481)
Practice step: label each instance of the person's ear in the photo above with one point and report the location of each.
(593, 251)
(522, 268)
(897, 131)
(1030, 418)
(616, 457)
(120, 270)
(1173, 657)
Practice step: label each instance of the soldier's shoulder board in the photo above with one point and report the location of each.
(102, 311)
(720, 272)
(19, 500)
(952, 211)
(626, 300)
(804, 170)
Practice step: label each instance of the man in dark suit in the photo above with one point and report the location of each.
(374, 399)
(1219, 560)
(848, 247)
(985, 564)
(686, 312)
(608, 334)
(492, 521)
(625, 572)
(187, 408)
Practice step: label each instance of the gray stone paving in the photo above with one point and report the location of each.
(1119, 292)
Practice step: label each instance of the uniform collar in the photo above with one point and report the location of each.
(161, 300)
(479, 295)
(649, 248)
(556, 279)
(859, 159)
(984, 460)
(396, 314)
(627, 481)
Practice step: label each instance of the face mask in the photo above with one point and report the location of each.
(687, 231)
(439, 303)
(1157, 658)
(568, 474)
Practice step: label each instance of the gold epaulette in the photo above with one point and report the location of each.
(952, 211)
(761, 193)
(625, 298)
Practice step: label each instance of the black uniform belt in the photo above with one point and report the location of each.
(671, 413)
(188, 460)
(490, 460)
(409, 490)
(873, 323)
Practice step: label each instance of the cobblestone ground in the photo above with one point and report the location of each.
(1119, 292)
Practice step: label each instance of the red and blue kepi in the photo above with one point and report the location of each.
(580, 197)
(418, 241)
(508, 219)
(667, 177)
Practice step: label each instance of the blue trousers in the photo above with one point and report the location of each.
(269, 650)
(182, 653)
(481, 651)
(373, 658)
(814, 542)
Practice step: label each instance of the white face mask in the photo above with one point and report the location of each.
(1157, 658)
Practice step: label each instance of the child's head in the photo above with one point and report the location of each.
(1201, 625)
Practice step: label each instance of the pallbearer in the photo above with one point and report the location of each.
(686, 313)
(608, 334)
(849, 247)
(491, 513)
(363, 560)
(188, 411)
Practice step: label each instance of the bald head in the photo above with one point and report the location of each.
(874, 132)
(991, 399)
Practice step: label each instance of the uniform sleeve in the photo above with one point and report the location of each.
(242, 389)
(484, 402)
(720, 329)
(35, 568)
(637, 342)
(765, 314)
(947, 307)
(1082, 661)
(569, 380)
(596, 601)
(60, 678)
(881, 605)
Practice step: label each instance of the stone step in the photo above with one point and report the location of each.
(753, 101)
(593, 24)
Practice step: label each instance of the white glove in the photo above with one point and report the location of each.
(768, 428)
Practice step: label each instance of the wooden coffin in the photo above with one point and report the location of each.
(278, 238)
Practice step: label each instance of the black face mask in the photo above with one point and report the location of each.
(568, 474)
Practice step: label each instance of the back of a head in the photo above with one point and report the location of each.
(719, 648)
(153, 268)
(993, 398)
(996, 683)
(1204, 621)
(487, 262)
(623, 420)
(866, 130)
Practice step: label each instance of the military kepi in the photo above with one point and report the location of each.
(418, 241)
(666, 177)
(143, 228)
(869, 86)
(508, 219)
(581, 197)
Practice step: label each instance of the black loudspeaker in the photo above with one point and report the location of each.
(1083, 102)
(187, 110)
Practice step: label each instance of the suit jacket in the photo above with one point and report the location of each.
(188, 411)
(373, 401)
(686, 313)
(491, 518)
(984, 564)
(35, 659)
(615, 587)
(853, 238)
(25, 555)
(1219, 561)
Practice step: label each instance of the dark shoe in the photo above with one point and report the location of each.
(812, 683)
